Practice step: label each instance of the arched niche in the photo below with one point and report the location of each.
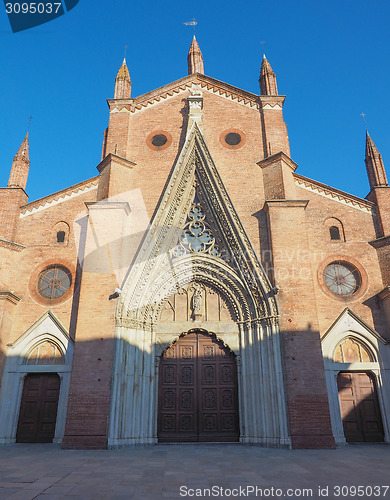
(334, 229)
(60, 233)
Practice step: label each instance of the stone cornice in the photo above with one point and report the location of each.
(375, 189)
(111, 157)
(14, 187)
(333, 193)
(286, 203)
(12, 245)
(120, 103)
(110, 205)
(11, 297)
(59, 197)
(384, 293)
(184, 85)
(278, 157)
(384, 241)
(272, 101)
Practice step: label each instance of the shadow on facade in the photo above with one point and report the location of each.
(134, 392)
(2, 362)
(85, 399)
(266, 251)
(378, 316)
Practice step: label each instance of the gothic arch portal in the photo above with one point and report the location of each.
(52, 350)
(224, 261)
(349, 329)
(197, 390)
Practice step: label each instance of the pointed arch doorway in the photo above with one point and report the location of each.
(359, 405)
(197, 391)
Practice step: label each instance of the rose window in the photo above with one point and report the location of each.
(342, 278)
(54, 282)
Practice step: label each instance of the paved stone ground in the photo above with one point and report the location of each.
(49, 473)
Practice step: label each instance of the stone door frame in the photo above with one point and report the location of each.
(47, 328)
(350, 325)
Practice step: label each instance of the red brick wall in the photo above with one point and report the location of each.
(10, 201)
(298, 237)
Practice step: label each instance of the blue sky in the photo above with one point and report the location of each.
(331, 59)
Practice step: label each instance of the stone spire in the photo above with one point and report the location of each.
(195, 58)
(20, 166)
(267, 79)
(374, 165)
(123, 83)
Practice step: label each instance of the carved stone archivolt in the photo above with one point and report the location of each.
(193, 176)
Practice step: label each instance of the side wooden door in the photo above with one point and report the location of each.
(38, 408)
(360, 410)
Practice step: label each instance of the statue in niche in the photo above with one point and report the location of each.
(197, 301)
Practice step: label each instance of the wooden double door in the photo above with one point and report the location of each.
(198, 396)
(360, 409)
(38, 409)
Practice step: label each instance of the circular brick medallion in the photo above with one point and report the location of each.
(159, 140)
(232, 138)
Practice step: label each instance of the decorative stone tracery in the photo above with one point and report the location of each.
(197, 235)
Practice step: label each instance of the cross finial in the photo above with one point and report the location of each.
(126, 47)
(363, 115)
(29, 123)
(262, 45)
(193, 23)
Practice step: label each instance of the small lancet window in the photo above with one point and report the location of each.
(45, 353)
(60, 233)
(61, 237)
(352, 351)
(334, 233)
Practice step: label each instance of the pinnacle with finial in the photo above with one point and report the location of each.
(123, 70)
(267, 80)
(195, 58)
(123, 82)
(374, 164)
(24, 151)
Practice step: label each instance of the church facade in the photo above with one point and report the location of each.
(198, 288)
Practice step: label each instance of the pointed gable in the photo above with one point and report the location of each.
(160, 268)
(349, 323)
